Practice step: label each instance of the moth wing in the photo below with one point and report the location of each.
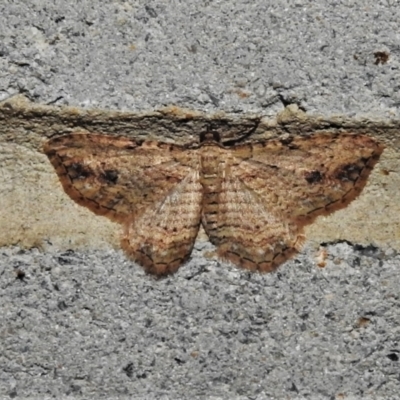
(150, 187)
(257, 201)
(307, 176)
(244, 231)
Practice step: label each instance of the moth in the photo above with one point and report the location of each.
(253, 199)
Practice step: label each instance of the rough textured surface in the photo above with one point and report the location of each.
(89, 324)
(217, 55)
(253, 199)
(92, 325)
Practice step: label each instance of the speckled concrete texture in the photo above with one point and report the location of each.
(93, 325)
(214, 55)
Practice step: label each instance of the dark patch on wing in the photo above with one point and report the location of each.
(109, 176)
(349, 172)
(79, 171)
(314, 176)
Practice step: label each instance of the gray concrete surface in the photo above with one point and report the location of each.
(92, 324)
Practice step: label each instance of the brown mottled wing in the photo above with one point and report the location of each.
(152, 188)
(305, 177)
(161, 237)
(258, 200)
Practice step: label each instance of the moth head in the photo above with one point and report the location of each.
(210, 137)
